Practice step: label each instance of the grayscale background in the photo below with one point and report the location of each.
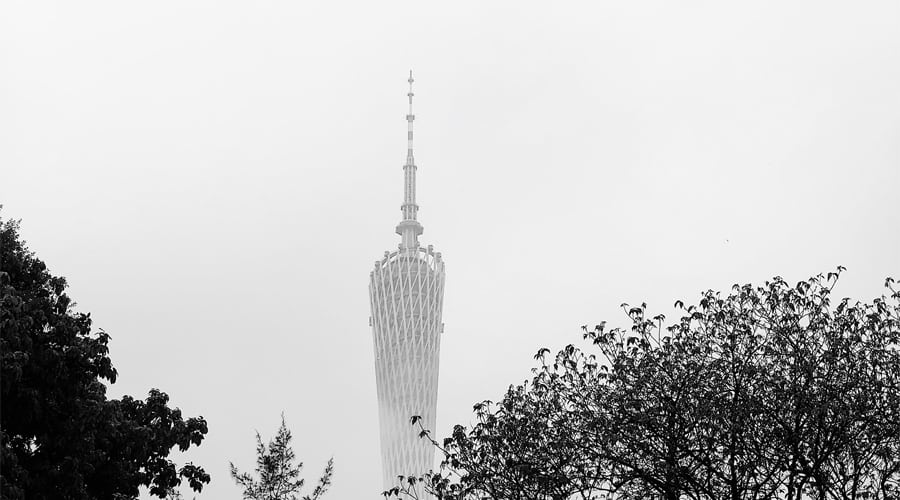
(216, 179)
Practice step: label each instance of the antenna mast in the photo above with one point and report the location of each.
(409, 228)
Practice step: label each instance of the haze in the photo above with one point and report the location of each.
(217, 178)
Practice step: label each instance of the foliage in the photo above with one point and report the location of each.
(279, 478)
(61, 436)
(768, 392)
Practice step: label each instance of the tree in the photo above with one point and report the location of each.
(279, 478)
(61, 436)
(767, 392)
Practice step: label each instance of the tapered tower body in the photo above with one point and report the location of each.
(406, 292)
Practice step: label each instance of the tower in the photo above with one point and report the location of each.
(406, 294)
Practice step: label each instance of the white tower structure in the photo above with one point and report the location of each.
(406, 293)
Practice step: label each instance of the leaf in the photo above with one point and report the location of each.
(541, 353)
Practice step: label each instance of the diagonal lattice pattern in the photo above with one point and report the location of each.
(406, 292)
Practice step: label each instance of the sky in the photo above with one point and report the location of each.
(216, 179)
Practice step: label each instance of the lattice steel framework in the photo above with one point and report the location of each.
(406, 292)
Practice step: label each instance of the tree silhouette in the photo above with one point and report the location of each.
(61, 437)
(766, 392)
(278, 476)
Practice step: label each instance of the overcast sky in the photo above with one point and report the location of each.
(217, 178)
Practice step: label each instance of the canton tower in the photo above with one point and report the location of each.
(406, 293)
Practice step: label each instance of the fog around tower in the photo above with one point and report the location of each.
(215, 180)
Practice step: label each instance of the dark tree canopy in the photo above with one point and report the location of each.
(61, 436)
(767, 392)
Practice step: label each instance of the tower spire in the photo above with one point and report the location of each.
(409, 228)
(409, 120)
